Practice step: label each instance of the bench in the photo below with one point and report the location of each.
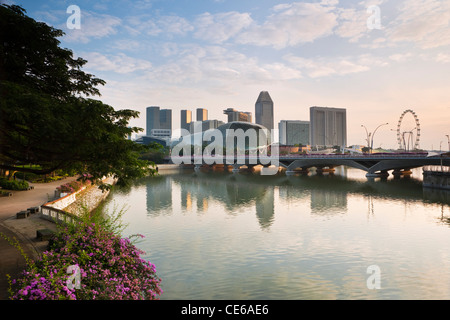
(33, 210)
(44, 234)
(22, 214)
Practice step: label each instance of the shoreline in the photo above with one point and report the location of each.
(25, 230)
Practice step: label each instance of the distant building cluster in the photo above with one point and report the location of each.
(327, 127)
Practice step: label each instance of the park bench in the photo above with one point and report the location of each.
(44, 234)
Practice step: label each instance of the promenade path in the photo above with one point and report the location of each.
(24, 230)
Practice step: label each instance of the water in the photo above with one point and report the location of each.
(219, 235)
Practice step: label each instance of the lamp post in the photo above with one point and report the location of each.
(448, 139)
(384, 124)
(367, 136)
(370, 136)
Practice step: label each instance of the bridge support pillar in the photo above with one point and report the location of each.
(405, 172)
(382, 174)
(236, 168)
(321, 170)
(291, 172)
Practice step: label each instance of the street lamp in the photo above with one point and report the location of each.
(384, 124)
(448, 139)
(367, 136)
(370, 136)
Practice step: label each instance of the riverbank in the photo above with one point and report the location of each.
(25, 230)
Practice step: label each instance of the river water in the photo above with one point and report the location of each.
(222, 235)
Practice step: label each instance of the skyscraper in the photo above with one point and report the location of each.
(165, 119)
(235, 115)
(186, 119)
(328, 126)
(152, 119)
(202, 114)
(264, 110)
(293, 132)
(159, 121)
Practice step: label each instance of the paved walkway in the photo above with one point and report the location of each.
(24, 230)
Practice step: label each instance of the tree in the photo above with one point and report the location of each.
(47, 117)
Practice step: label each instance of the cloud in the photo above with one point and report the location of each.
(352, 24)
(325, 67)
(213, 65)
(119, 63)
(292, 24)
(93, 26)
(217, 28)
(425, 23)
(443, 58)
(401, 57)
(156, 26)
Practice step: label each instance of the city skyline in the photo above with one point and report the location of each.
(223, 53)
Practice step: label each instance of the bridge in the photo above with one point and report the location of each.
(375, 165)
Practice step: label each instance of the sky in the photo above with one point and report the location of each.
(376, 58)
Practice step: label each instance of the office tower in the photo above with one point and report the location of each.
(293, 132)
(186, 119)
(328, 126)
(264, 110)
(159, 122)
(152, 119)
(235, 115)
(165, 119)
(197, 126)
(211, 124)
(202, 114)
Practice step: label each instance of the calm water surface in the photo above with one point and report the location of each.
(219, 235)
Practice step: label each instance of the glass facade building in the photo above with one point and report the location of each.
(264, 110)
(328, 126)
(293, 132)
(158, 119)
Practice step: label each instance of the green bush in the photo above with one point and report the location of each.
(27, 176)
(14, 184)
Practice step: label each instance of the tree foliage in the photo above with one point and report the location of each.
(47, 115)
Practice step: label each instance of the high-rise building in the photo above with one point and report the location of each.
(202, 114)
(152, 119)
(328, 126)
(201, 126)
(157, 120)
(293, 132)
(264, 110)
(165, 119)
(186, 119)
(235, 115)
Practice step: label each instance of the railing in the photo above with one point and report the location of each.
(57, 215)
(444, 169)
(305, 156)
(53, 210)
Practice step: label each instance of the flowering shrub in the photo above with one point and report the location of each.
(109, 267)
(70, 187)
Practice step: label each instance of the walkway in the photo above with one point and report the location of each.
(24, 230)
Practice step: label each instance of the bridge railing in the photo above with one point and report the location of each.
(310, 155)
(436, 169)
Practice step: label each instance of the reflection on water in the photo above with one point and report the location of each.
(219, 235)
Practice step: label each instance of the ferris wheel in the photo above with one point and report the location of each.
(405, 138)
